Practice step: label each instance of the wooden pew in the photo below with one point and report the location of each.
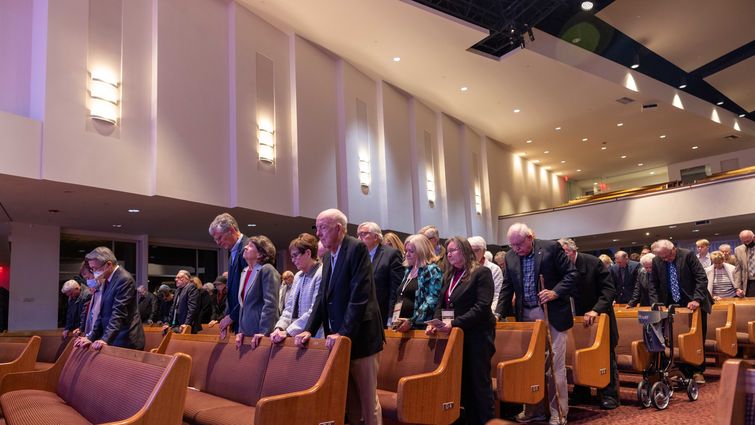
(689, 343)
(207, 330)
(736, 397)
(270, 384)
(153, 336)
(518, 365)
(744, 309)
(631, 354)
(51, 345)
(85, 386)
(721, 336)
(18, 354)
(419, 380)
(588, 357)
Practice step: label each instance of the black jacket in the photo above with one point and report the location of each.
(119, 323)
(185, 309)
(470, 301)
(693, 282)
(147, 305)
(77, 309)
(388, 272)
(624, 288)
(594, 291)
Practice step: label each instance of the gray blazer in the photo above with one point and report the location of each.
(260, 310)
(306, 296)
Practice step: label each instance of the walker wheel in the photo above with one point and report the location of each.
(692, 390)
(660, 395)
(643, 393)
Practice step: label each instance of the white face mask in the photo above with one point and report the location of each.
(97, 274)
(92, 283)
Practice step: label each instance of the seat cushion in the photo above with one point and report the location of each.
(711, 346)
(743, 338)
(35, 407)
(389, 404)
(227, 415)
(42, 365)
(624, 362)
(197, 401)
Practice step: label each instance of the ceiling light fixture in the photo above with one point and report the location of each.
(579, 170)
(635, 61)
(397, 59)
(133, 210)
(663, 136)
(652, 173)
(647, 233)
(563, 162)
(640, 164)
(529, 141)
(694, 147)
(117, 226)
(251, 225)
(720, 102)
(673, 226)
(587, 6)
(536, 161)
(741, 115)
(585, 139)
(558, 128)
(464, 88)
(682, 86)
(547, 167)
(516, 111)
(546, 152)
(623, 156)
(621, 124)
(603, 148)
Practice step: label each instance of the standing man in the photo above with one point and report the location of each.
(387, 267)
(703, 255)
(147, 303)
(479, 246)
(681, 279)
(624, 275)
(287, 283)
(218, 298)
(431, 233)
(78, 298)
(185, 310)
(744, 274)
(346, 305)
(528, 259)
(116, 318)
(593, 294)
(725, 249)
(225, 232)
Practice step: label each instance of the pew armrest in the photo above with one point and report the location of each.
(25, 361)
(592, 364)
(751, 331)
(691, 343)
(640, 356)
(322, 403)
(522, 380)
(166, 403)
(434, 397)
(726, 336)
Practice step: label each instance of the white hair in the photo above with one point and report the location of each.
(664, 244)
(223, 223)
(69, 286)
(647, 258)
(520, 229)
(477, 242)
(372, 227)
(208, 286)
(488, 256)
(568, 242)
(336, 215)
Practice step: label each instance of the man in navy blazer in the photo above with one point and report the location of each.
(387, 267)
(225, 232)
(529, 259)
(624, 275)
(679, 278)
(346, 305)
(117, 320)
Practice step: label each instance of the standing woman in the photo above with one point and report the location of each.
(392, 240)
(466, 296)
(420, 289)
(258, 291)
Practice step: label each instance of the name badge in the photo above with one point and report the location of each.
(447, 316)
(396, 313)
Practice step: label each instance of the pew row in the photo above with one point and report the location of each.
(588, 355)
(631, 354)
(51, 345)
(18, 354)
(112, 385)
(744, 309)
(419, 377)
(736, 397)
(518, 365)
(153, 336)
(269, 384)
(721, 336)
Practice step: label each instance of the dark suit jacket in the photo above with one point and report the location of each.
(119, 323)
(559, 275)
(260, 310)
(693, 282)
(77, 309)
(644, 290)
(234, 274)
(185, 308)
(218, 303)
(346, 303)
(147, 306)
(594, 291)
(205, 307)
(624, 288)
(470, 301)
(387, 272)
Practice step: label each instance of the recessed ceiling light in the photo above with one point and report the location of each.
(635, 66)
(741, 115)
(603, 148)
(579, 170)
(464, 88)
(663, 136)
(558, 128)
(621, 124)
(719, 103)
(695, 230)
(535, 161)
(647, 233)
(640, 164)
(670, 237)
(587, 5)
(623, 156)
(529, 141)
(563, 162)
(716, 234)
(251, 225)
(614, 240)
(117, 226)
(397, 59)
(585, 139)
(682, 86)
(673, 226)
(546, 152)
(516, 111)
(694, 147)
(652, 173)
(134, 210)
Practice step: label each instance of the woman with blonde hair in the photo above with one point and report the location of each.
(417, 295)
(391, 239)
(721, 278)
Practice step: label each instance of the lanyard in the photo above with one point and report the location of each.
(453, 286)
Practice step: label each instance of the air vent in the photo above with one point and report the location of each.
(731, 137)
(649, 106)
(702, 222)
(624, 100)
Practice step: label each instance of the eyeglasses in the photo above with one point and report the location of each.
(96, 269)
(453, 250)
(363, 234)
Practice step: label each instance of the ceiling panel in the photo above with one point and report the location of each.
(737, 82)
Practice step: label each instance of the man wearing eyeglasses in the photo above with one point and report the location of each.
(116, 315)
(225, 232)
(387, 267)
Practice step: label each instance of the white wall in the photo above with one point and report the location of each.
(35, 254)
(15, 51)
(746, 158)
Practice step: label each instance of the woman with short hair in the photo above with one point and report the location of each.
(721, 278)
(258, 291)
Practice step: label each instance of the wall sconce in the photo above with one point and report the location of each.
(430, 189)
(477, 201)
(364, 171)
(103, 97)
(266, 145)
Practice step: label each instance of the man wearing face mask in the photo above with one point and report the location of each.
(117, 322)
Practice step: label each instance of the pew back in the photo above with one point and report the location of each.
(518, 365)
(721, 335)
(51, 344)
(736, 398)
(588, 352)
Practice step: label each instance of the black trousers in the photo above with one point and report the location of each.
(476, 383)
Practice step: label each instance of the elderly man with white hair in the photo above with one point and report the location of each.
(78, 297)
(680, 279)
(624, 275)
(529, 261)
(745, 271)
(387, 267)
(644, 289)
(479, 247)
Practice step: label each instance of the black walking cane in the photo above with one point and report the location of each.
(550, 357)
